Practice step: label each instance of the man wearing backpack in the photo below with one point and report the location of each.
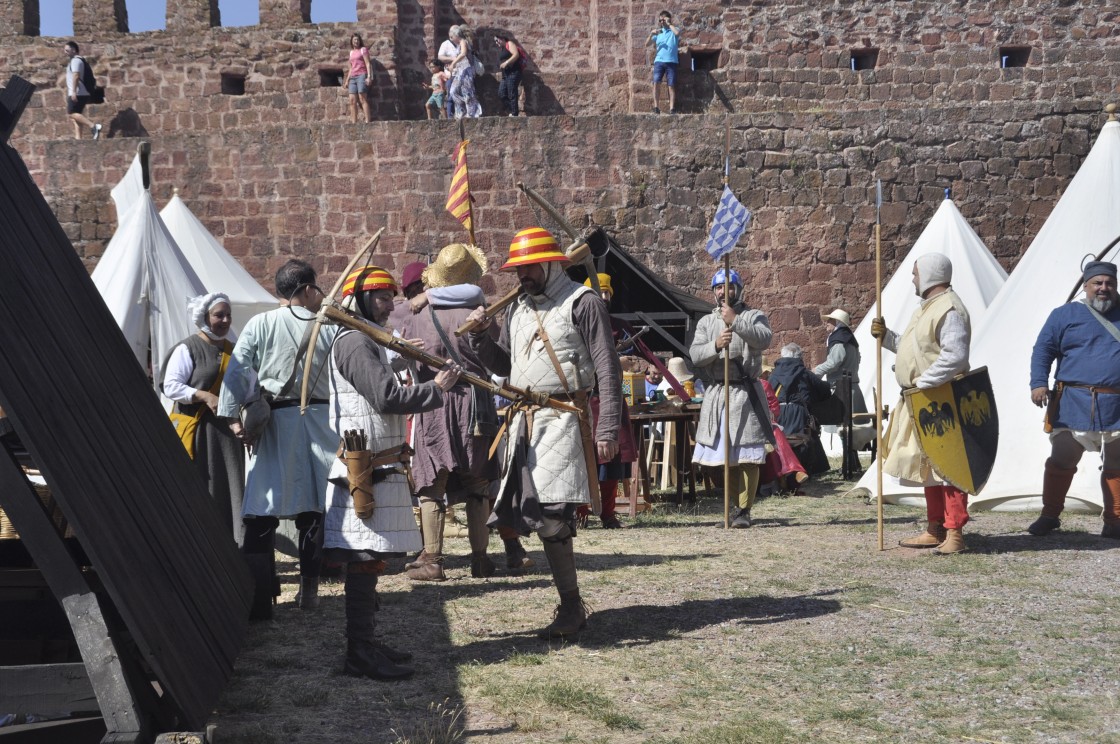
(79, 76)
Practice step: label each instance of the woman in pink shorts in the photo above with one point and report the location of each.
(357, 77)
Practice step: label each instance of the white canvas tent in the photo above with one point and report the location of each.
(977, 278)
(1085, 220)
(218, 270)
(143, 277)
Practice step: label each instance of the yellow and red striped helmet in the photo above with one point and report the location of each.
(368, 279)
(532, 246)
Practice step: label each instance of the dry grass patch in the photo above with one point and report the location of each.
(797, 630)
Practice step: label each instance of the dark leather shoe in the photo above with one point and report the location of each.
(1044, 526)
(392, 654)
(364, 659)
(612, 523)
(481, 565)
(1111, 531)
(742, 520)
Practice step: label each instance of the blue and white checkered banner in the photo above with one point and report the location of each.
(730, 221)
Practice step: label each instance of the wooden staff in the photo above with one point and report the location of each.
(405, 349)
(878, 368)
(309, 352)
(727, 357)
(577, 252)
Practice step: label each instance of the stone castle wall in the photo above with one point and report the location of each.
(278, 171)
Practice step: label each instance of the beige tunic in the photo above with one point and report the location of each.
(918, 348)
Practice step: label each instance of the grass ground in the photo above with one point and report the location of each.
(796, 630)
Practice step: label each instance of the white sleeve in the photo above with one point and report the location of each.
(175, 376)
(954, 336)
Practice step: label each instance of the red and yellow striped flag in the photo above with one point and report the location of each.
(459, 196)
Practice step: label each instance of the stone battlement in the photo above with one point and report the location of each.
(276, 171)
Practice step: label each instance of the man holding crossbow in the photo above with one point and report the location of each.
(557, 340)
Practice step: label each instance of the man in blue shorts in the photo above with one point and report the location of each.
(665, 37)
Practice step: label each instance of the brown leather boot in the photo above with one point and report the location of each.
(954, 543)
(933, 536)
(1055, 486)
(1110, 493)
(424, 558)
(481, 565)
(517, 559)
(428, 567)
(569, 619)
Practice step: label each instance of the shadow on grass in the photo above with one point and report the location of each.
(644, 624)
(1022, 542)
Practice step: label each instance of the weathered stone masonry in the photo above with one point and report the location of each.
(277, 171)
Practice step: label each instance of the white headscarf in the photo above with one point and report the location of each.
(933, 269)
(200, 308)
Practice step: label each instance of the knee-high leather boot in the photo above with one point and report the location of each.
(1055, 485)
(365, 656)
(1110, 491)
(571, 615)
(429, 566)
(478, 511)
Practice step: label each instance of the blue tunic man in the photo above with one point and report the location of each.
(1084, 408)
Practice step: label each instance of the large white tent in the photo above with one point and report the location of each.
(977, 278)
(1085, 220)
(218, 270)
(143, 277)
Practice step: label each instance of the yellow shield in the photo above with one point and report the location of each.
(958, 428)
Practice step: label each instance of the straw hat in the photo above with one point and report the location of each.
(840, 317)
(678, 368)
(457, 263)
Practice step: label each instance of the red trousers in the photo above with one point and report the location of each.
(947, 505)
(608, 490)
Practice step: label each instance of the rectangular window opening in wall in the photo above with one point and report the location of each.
(146, 15)
(239, 12)
(56, 19)
(1014, 56)
(865, 59)
(334, 11)
(704, 59)
(233, 84)
(330, 77)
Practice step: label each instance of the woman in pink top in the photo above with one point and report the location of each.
(357, 76)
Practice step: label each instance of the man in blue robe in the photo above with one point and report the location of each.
(1084, 407)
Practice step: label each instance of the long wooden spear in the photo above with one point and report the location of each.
(878, 367)
(727, 355)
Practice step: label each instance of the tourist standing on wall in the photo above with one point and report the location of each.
(77, 93)
(433, 107)
(448, 50)
(511, 61)
(357, 77)
(463, 70)
(665, 37)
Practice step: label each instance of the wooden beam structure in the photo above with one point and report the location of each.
(161, 612)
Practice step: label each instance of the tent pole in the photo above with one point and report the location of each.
(878, 372)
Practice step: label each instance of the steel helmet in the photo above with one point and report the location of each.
(532, 246)
(718, 280)
(368, 279)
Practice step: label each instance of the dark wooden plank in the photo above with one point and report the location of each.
(87, 730)
(13, 100)
(85, 411)
(48, 689)
(101, 655)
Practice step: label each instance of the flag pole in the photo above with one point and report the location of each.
(879, 368)
(727, 356)
(470, 206)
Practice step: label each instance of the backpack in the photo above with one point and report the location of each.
(96, 92)
(522, 56)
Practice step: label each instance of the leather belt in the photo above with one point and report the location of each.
(1093, 388)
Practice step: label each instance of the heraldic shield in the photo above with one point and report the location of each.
(958, 428)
